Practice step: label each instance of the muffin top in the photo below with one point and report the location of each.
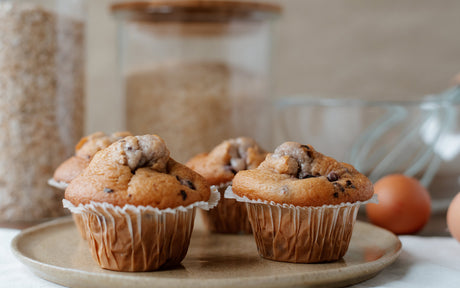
(137, 170)
(299, 175)
(84, 152)
(225, 160)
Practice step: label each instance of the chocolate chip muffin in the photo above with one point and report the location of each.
(219, 167)
(138, 204)
(86, 148)
(302, 204)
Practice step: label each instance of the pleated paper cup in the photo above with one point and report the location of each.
(138, 238)
(229, 216)
(296, 234)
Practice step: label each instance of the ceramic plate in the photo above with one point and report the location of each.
(55, 252)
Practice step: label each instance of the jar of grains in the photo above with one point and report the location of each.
(41, 102)
(196, 72)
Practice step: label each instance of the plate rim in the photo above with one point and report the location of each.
(372, 268)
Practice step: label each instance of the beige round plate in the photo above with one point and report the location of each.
(55, 252)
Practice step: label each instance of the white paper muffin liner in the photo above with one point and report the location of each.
(139, 238)
(229, 216)
(90, 208)
(289, 233)
(57, 184)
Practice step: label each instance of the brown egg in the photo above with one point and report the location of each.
(404, 204)
(453, 217)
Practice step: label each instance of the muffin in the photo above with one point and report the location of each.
(138, 204)
(84, 152)
(72, 167)
(219, 167)
(302, 205)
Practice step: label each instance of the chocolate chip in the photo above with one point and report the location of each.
(129, 195)
(129, 148)
(183, 194)
(305, 146)
(306, 176)
(187, 183)
(336, 195)
(332, 176)
(230, 168)
(310, 153)
(108, 190)
(350, 185)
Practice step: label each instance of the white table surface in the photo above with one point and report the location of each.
(424, 262)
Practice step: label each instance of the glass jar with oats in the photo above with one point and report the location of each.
(196, 72)
(41, 102)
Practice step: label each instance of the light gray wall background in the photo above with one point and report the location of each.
(381, 49)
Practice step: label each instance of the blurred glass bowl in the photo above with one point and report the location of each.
(419, 138)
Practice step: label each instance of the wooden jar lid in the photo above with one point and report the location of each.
(195, 11)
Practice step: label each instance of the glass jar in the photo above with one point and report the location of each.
(42, 87)
(419, 138)
(196, 72)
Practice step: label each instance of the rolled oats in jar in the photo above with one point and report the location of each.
(196, 72)
(41, 102)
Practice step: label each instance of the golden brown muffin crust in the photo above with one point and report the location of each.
(299, 175)
(85, 149)
(70, 168)
(137, 170)
(225, 160)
